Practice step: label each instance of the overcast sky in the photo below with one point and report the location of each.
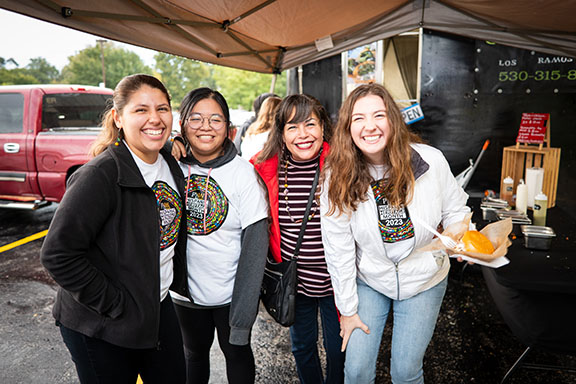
(23, 38)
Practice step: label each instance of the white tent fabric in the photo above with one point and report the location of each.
(272, 35)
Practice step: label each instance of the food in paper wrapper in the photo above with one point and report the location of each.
(496, 232)
(474, 241)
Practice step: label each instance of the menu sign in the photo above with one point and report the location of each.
(533, 128)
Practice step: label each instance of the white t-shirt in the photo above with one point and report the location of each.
(159, 178)
(394, 223)
(235, 200)
(252, 144)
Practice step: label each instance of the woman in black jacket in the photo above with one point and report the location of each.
(117, 243)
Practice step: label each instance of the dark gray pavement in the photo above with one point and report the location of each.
(471, 343)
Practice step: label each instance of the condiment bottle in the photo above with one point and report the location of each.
(522, 197)
(540, 208)
(507, 190)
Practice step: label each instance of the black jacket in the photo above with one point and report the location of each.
(103, 247)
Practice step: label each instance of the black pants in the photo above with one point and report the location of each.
(98, 361)
(198, 327)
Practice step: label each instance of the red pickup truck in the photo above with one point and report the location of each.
(45, 134)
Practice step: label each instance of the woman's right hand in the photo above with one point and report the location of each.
(349, 324)
(178, 149)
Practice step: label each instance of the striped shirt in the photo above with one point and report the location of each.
(313, 277)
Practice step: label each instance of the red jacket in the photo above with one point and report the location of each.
(268, 170)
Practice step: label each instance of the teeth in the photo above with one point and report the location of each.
(371, 139)
(153, 132)
(304, 145)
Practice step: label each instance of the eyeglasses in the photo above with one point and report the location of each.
(215, 121)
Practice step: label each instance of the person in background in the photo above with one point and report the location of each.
(258, 132)
(294, 152)
(241, 131)
(380, 180)
(227, 217)
(117, 243)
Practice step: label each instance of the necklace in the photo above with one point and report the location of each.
(286, 197)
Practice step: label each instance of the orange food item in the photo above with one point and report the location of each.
(474, 241)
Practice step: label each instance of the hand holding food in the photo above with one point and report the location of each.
(489, 244)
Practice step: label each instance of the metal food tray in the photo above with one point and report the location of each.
(490, 202)
(537, 231)
(537, 237)
(489, 213)
(517, 217)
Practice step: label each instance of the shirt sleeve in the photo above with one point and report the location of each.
(245, 297)
(454, 200)
(340, 252)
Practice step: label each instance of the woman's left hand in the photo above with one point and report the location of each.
(347, 325)
(178, 150)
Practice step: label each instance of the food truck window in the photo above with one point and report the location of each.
(393, 62)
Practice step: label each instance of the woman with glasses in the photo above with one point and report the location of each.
(288, 164)
(227, 241)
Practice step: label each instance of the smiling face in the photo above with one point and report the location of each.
(206, 142)
(304, 139)
(146, 121)
(370, 128)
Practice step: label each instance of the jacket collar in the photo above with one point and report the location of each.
(419, 166)
(268, 169)
(129, 174)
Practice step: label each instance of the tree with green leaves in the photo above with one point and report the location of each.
(42, 70)
(181, 75)
(240, 88)
(15, 75)
(86, 66)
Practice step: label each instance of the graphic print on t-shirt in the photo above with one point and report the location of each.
(169, 209)
(394, 222)
(216, 205)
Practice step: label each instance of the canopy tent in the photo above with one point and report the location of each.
(272, 35)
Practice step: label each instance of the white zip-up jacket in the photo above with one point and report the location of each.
(353, 244)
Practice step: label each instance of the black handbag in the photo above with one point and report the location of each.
(279, 285)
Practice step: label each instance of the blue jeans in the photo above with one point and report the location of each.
(414, 322)
(304, 335)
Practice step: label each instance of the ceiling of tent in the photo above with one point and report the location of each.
(272, 35)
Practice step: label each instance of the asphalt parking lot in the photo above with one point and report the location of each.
(471, 343)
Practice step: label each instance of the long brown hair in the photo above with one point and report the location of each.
(302, 106)
(122, 93)
(349, 174)
(265, 119)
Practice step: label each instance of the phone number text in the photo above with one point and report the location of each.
(554, 75)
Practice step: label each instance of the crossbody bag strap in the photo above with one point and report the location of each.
(307, 213)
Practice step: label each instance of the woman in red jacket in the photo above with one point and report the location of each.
(294, 152)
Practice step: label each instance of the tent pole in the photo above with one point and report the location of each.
(300, 86)
(273, 82)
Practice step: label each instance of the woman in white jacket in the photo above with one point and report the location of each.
(380, 176)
